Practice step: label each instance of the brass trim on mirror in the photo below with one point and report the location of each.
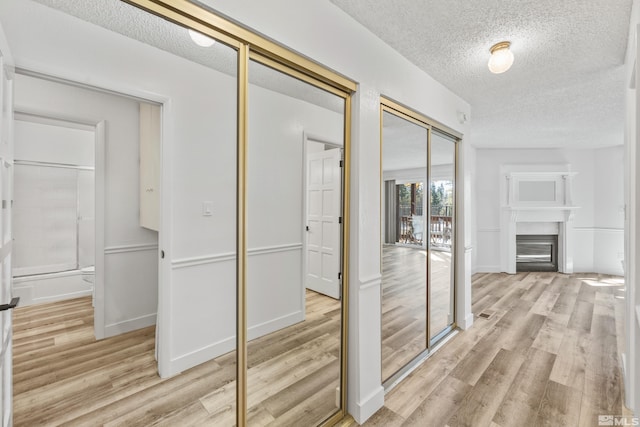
(346, 212)
(459, 247)
(417, 117)
(232, 31)
(427, 195)
(268, 62)
(241, 238)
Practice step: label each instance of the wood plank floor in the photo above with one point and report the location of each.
(62, 376)
(548, 355)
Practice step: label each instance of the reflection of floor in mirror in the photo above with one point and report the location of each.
(404, 302)
(62, 375)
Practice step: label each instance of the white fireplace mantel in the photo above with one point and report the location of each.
(541, 213)
(542, 195)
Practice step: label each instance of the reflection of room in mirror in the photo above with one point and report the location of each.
(294, 363)
(294, 187)
(418, 198)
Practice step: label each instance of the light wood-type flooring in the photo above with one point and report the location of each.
(62, 376)
(547, 355)
(404, 302)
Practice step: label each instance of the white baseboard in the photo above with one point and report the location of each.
(363, 410)
(468, 322)
(51, 287)
(197, 357)
(625, 385)
(62, 297)
(273, 325)
(610, 271)
(129, 325)
(488, 269)
(211, 351)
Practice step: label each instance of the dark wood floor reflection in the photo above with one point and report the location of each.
(548, 354)
(62, 376)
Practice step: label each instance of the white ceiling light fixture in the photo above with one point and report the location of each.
(200, 39)
(501, 58)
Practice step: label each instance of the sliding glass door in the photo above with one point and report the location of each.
(418, 234)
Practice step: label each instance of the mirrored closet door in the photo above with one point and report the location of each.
(294, 247)
(404, 248)
(442, 228)
(418, 238)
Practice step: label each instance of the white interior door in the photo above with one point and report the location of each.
(6, 301)
(323, 222)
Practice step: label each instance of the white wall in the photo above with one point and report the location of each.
(274, 235)
(347, 48)
(608, 207)
(51, 142)
(597, 190)
(630, 358)
(130, 272)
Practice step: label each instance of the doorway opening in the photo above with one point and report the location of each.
(323, 198)
(54, 209)
(74, 193)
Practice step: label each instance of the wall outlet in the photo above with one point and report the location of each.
(207, 208)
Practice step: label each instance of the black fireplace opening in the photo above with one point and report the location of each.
(536, 252)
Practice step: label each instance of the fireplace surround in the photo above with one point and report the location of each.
(536, 198)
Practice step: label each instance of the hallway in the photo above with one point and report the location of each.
(548, 354)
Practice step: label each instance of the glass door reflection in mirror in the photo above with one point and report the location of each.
(418, 234)
(441, 232)
(404, 249)
(294, 309)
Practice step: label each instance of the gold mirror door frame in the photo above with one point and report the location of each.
(443, 150)
(393, 375)
(253, 46)
(321, 407)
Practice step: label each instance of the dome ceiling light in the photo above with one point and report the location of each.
(501, 58)
(200, 39)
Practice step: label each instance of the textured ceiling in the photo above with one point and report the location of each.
(566, 86)
(565, 89)
(134, 23)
